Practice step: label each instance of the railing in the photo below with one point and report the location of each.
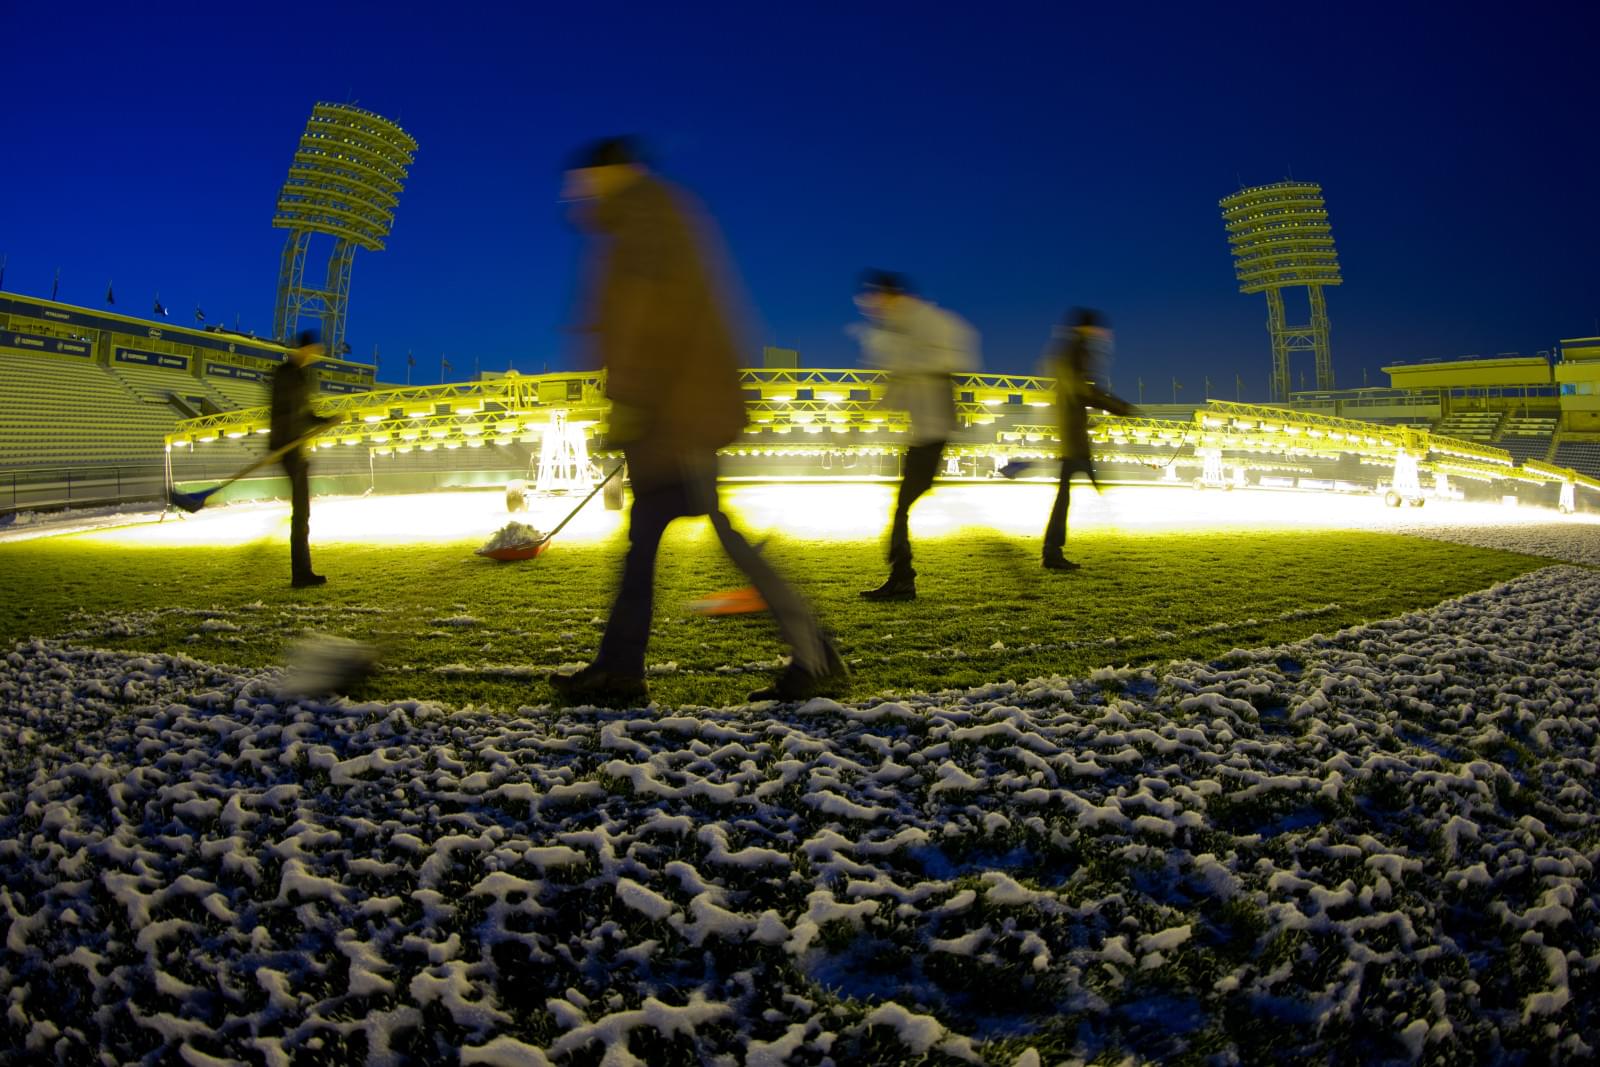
(29, 488)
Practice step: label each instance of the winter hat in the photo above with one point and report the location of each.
(885, 281)
(608, 152)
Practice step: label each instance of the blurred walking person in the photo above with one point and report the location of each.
(292, 421)
(658, 327)
(1077, 359)
(921, 346)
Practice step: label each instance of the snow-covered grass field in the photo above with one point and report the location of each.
(1350, 814)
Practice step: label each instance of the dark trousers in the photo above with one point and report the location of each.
(1055, 529)
(298, 468)
(656, 503)
(921, 464)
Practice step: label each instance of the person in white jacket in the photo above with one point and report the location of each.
(920, 346)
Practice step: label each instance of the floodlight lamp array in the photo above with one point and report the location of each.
(1280, 237)
(347, 176)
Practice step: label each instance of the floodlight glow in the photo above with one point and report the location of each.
(831, 398)
(990, 401)
(234, 435)
(471, 409)
(780, 398)
(263, 430)
(409, 435)
(429, 448)
(372, 418)
(207, 439)
(378, 439)
(438, 435)
(452, 444)
(475, 443)
(350, 440)
(419, 414)
(472, 431)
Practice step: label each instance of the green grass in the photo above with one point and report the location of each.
(1139, 599)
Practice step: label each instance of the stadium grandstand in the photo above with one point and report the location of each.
(87, 397)
(97, 407)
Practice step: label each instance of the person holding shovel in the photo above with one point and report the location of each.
(292, 422)
(1077, 359)
(659, 327)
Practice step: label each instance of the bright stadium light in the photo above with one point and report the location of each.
(1281, 239)
(344, 182)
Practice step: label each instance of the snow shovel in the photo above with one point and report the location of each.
(535, 548)
(193, 502)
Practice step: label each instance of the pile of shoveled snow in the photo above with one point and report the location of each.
(512, 535)
(1375, 844)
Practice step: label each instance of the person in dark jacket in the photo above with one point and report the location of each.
(292, 420)
(1076, 360)
(658, 327)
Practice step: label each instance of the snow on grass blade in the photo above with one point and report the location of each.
(1373, 844)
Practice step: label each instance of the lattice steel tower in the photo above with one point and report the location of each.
(345, 181)
(1281, 239)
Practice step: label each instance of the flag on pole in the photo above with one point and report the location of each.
(159, 310)
(199, 316)
(56, 287)
(2, 273)
(411, 361)
(111, 298)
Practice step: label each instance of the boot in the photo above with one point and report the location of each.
(307, 580)
(1055, 561)
(794, 682)
(900, 585)
(596, 685)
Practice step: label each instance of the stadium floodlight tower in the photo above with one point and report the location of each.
(345, 181)
(1281, 240)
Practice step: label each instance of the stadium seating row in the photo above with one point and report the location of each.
(1528, 436)
(58, 412)
(1470, 425)
(1581, 456)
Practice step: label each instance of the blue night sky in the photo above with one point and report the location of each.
(1013, 159)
